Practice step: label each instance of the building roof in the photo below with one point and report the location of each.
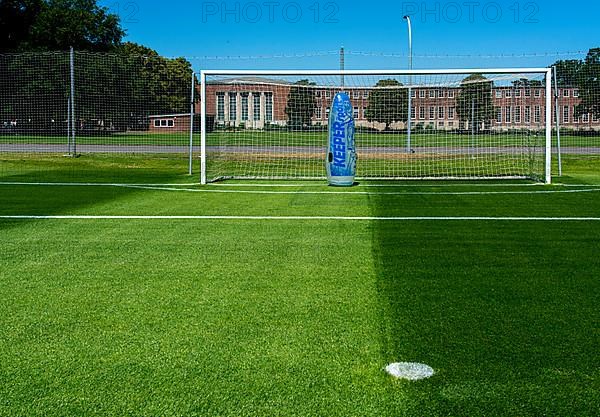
(158, 116)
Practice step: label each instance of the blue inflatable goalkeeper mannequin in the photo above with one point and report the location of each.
(341, 151)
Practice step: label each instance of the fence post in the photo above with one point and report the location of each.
(72, 67)
(69, 124)
(192, 111)
(557, 115)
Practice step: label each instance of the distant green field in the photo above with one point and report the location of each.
(286, 138)
(289, 312)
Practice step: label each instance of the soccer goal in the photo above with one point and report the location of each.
(433, 124)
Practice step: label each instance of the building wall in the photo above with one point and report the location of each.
(181, 123)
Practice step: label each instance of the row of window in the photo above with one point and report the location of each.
(244, 104)
(510, 114)
(499, 93)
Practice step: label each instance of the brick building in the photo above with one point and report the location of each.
(255, 102)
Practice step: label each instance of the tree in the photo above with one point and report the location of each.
(589, 84)
(301, 105)
(527, 83)
(388, 103)
(475, 102)
(16, 19)
(52, 25)
(567, 72)
(125, 88)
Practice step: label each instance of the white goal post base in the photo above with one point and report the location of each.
(465, 123)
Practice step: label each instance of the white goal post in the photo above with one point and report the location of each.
(466, 123)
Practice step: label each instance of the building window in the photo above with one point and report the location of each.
(585, 118)
(498, 114)
(269, 107)
(431, 113)
(441, 124)
(256, 99)
(537, 93)
(451, 113)
(364, 113)
(442, 93)
(517, 114)
(327, 94)
(451, 94)
(575, 93)
(318, 94)
(498, 93)
(421, 93)
(508, 93)
(537, 114)
(244, 107)
(594, 117)
(356, 94)
(527, 92)
(441, 112)
(232, 106)
(566, 93)
(422, 113)
(507, 114)
(527, 114)
(221, 106)
(355, 113)
(319, 112)
(431, 93)
(164, 123)
(327, 110)
(365, 94)
(517, 93)
(413, 94)
(413, 113)
(566, 114)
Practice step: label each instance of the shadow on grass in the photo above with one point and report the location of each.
(504, 312)
(48, 200)
(96, 168)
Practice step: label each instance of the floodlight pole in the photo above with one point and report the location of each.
(410, 67)
(343, 66)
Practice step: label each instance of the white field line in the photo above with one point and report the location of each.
(359, 193)
(285, 185)
(308, 218)
(214, 188)
(90, 184)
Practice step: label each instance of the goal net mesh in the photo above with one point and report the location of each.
(462, 126)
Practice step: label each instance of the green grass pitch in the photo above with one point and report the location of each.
(265, 317)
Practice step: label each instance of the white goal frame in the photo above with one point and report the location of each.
(342, 73)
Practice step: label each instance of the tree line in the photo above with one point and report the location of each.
(117, 84)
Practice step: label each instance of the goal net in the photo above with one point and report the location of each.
(438, 124)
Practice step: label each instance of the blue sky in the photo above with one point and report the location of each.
(272, 27)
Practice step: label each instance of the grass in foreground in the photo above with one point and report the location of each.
(235, 318)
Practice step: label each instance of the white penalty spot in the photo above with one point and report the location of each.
(409, 370)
